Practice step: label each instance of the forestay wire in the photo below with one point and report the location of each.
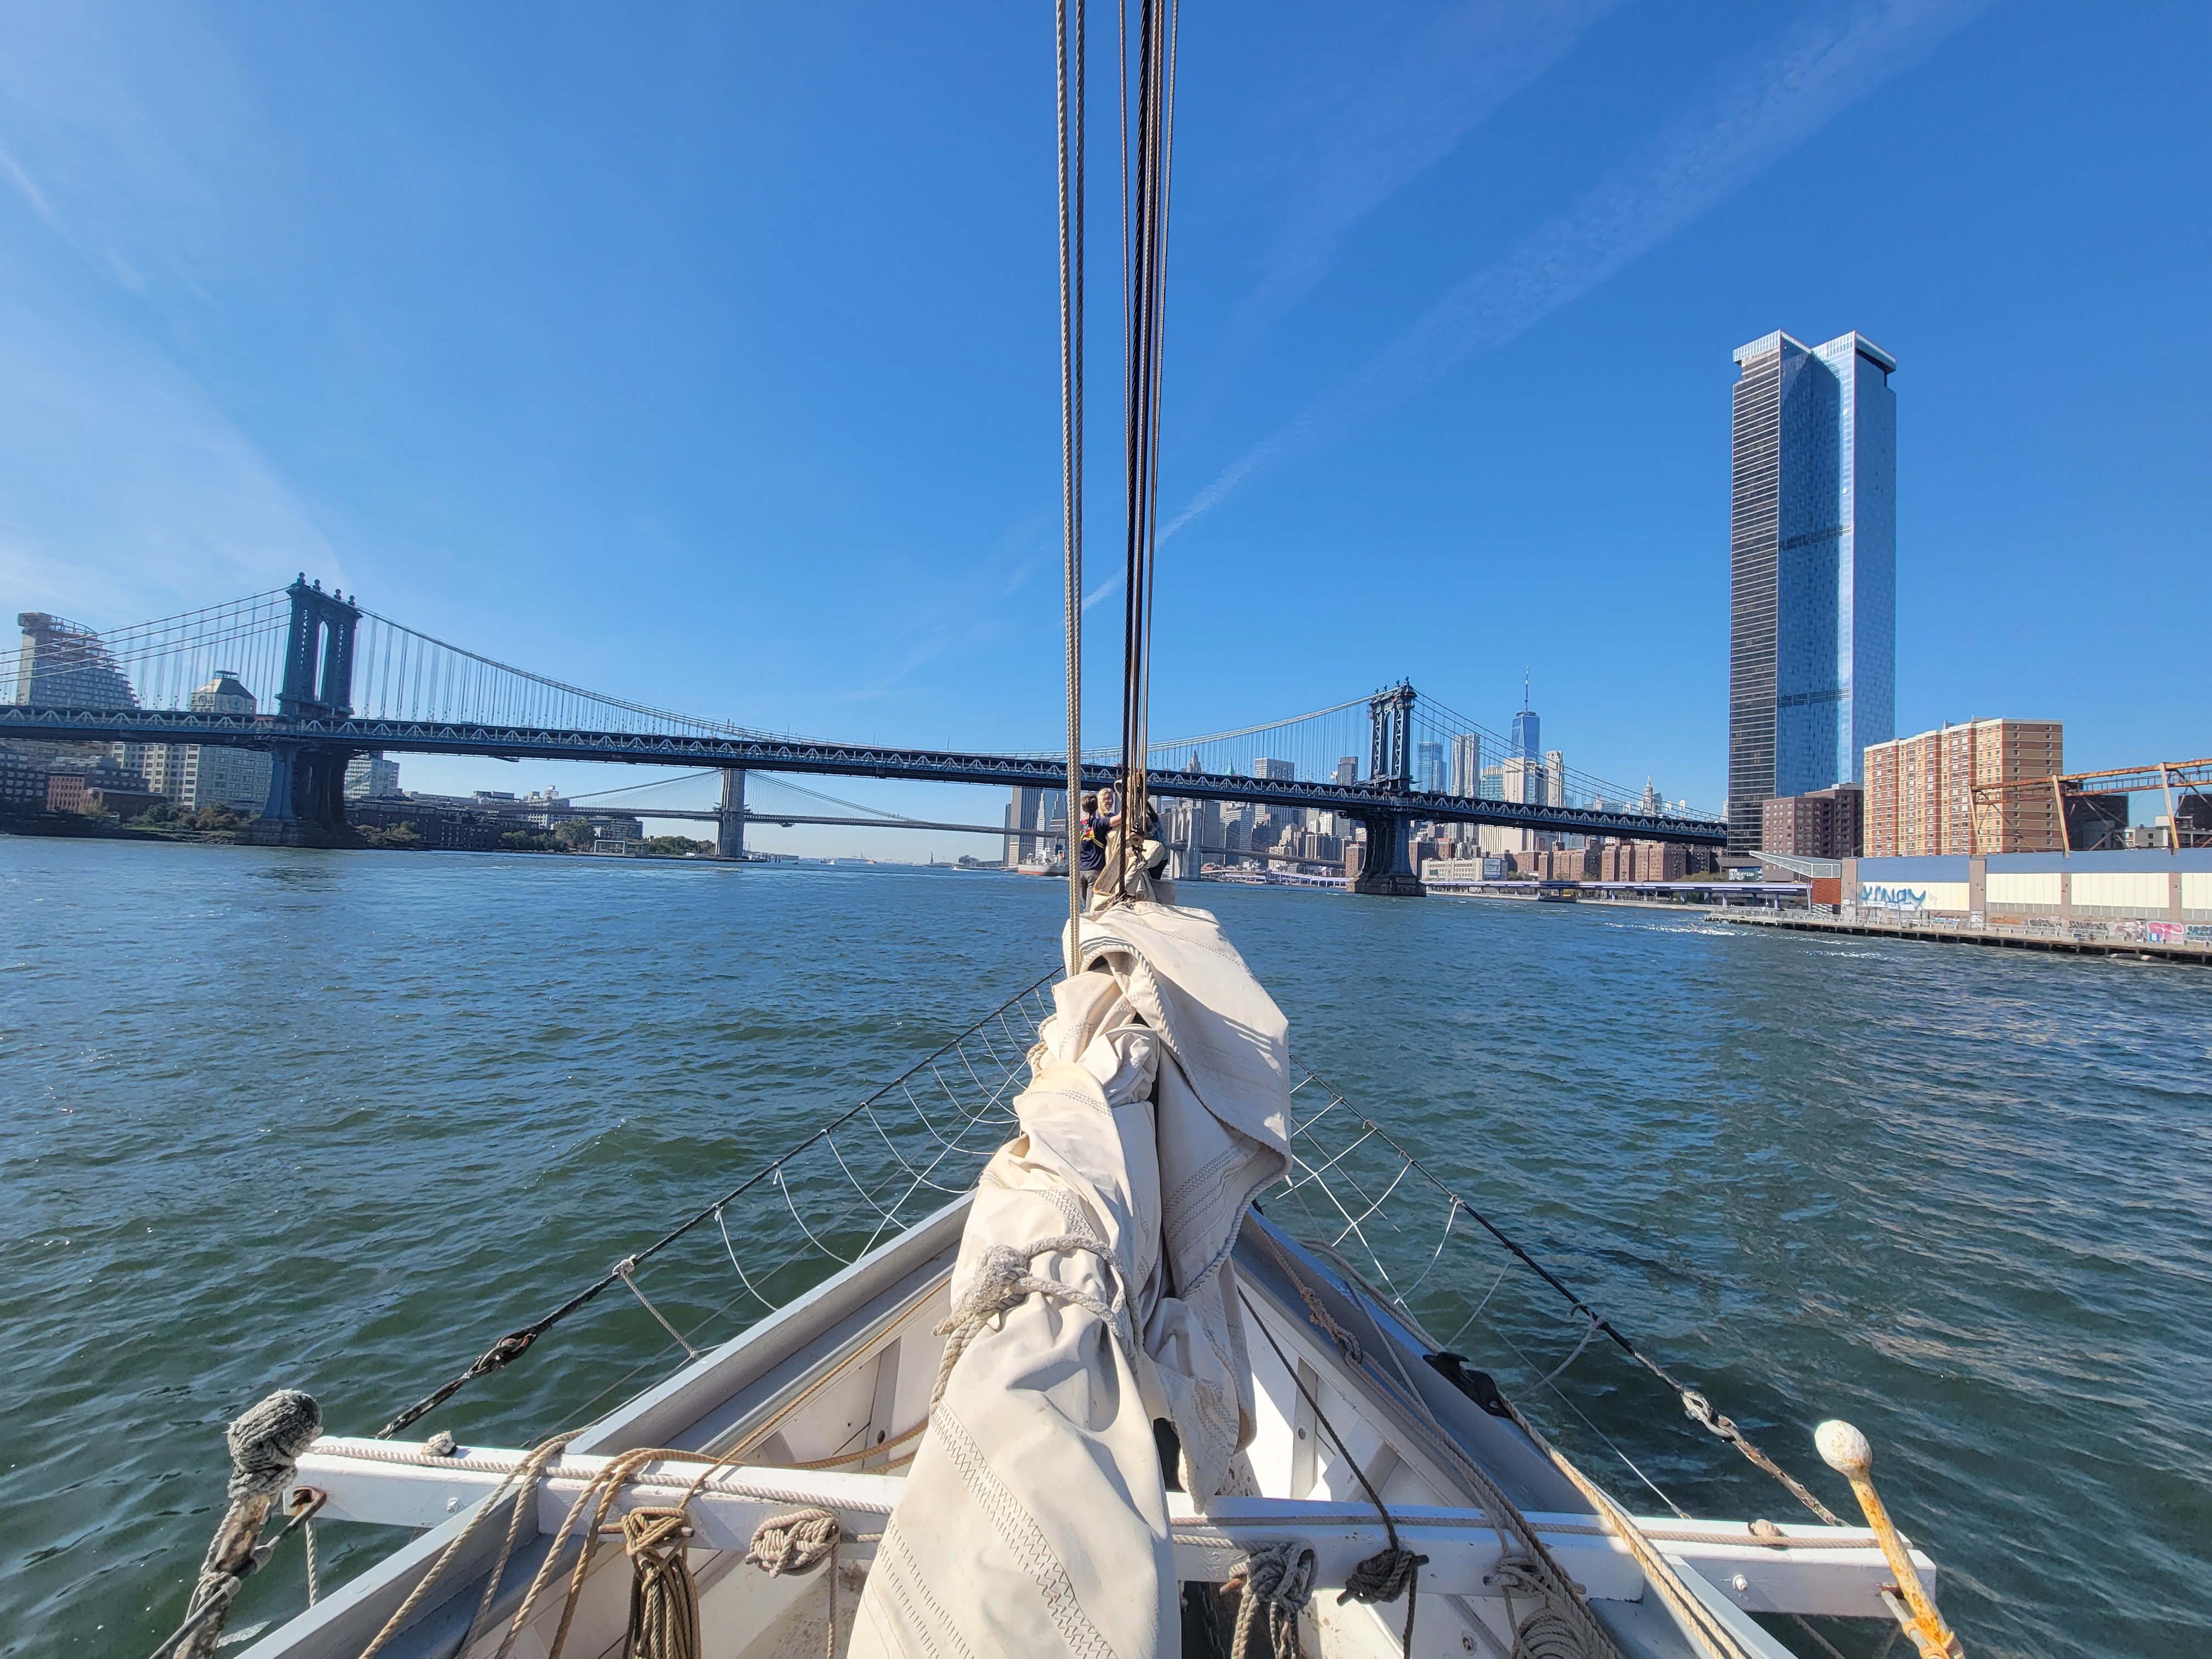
(1070, 435)
(1145, 214)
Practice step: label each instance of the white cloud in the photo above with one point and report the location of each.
(1774, 104)
(127, 491)
(124, 492)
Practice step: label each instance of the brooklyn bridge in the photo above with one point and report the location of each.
(346, 681)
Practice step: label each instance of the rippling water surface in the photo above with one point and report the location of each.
(336, 1119)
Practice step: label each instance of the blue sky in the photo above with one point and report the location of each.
(709, 356)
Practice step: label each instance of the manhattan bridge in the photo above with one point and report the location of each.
(338, 680)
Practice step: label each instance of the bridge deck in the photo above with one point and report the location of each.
(1374, 800)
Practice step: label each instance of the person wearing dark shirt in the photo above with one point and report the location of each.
(1091, 849)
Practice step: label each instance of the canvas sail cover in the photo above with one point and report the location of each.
(1093, 1295)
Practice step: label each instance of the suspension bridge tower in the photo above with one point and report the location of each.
(1387, 871)
(306, 779)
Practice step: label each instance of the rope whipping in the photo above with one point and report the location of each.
(1070, 436)
(1145, 216)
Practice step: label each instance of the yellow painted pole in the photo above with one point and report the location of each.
(1846, 1451)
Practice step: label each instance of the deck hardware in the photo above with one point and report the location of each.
(1849, 1453)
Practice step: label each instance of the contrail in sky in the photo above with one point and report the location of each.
(1713, 151)
(1388, 129)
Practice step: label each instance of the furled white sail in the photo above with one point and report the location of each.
(1093, 1295)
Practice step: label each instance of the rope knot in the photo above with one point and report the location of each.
(1317, 1314)
(266, 1441)
(1277, 1582)
(1383, 1577)
(798, 1543)
(1004, 1280)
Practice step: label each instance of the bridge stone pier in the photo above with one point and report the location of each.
(1387, 871)
(307, 780)
(730, 825)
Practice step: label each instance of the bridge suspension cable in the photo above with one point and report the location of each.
(400, 673)
(1460, 765)
(395, 674)
(159, 665)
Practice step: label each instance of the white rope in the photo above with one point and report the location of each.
(1006, 1282)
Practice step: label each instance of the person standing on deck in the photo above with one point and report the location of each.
(1092, 847)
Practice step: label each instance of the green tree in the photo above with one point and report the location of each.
(401, 837)
(574, 833)
(676, 846)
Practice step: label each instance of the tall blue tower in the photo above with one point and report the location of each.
(1528, 729)
(1812, 570)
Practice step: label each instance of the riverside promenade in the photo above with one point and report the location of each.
(2147, 941)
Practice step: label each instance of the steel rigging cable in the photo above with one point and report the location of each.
(1070, 439)
(1146, 260)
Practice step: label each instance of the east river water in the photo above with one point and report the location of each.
(334, 1120)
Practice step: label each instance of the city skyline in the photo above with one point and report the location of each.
(519, 414)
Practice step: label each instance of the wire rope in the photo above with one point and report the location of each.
(1070, 438)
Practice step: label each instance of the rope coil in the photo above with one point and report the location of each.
(798, 1543)
(663, 1601)
(1275, 1582)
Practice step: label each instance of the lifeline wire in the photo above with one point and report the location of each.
(515, 1343)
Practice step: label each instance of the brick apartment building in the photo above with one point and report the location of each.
(1920, 790)
(1825, 823)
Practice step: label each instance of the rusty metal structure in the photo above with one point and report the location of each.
(2066, 788)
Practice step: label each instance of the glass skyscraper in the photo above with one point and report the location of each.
(1528, 729)
(1811, 569)
(1429, 767)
